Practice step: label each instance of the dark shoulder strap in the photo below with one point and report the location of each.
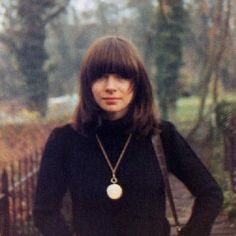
(158, 147)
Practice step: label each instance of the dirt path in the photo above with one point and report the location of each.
(184, 201)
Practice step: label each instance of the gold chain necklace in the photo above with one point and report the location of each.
(114, 190)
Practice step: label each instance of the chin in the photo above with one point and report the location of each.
(111, 110)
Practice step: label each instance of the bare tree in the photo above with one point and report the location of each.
(218, 35)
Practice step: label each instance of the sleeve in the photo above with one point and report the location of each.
(51, 188)
(186, 166)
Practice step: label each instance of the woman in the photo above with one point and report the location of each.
(106, 160)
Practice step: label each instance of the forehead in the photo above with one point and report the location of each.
(114, 75)
(112, 59)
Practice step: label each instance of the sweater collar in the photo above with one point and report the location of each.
(115, 127)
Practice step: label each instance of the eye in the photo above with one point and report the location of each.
(116, 76)
(122, 77)
(103, 77)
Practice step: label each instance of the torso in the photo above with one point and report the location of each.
(141, 209)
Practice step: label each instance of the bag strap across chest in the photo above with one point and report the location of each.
(160, 154)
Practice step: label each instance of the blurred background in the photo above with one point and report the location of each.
(189, 49)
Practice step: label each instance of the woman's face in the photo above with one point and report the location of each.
(113, 94)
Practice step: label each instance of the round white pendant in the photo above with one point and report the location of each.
(114, 191)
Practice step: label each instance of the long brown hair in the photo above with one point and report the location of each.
(116, 55)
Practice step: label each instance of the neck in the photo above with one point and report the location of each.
(114, 116)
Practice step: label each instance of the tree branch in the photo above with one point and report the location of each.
(224, 35)
(164, 14)
(198, 46)
(9, 43)
(56, 13)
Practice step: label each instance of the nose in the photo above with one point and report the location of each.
(110, 84)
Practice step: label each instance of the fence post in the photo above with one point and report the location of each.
(6, 204)
(232, 151)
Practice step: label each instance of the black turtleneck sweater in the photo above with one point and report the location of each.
(75, 163)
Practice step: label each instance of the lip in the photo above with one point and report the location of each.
(111, 98)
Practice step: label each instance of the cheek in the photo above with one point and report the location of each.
(130, 91)
(131, 95)
(95, 90)
(128, 87)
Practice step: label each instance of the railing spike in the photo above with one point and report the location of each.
(5, 206)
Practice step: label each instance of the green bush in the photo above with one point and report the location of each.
(225, 111)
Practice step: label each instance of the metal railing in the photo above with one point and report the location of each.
(17, 188)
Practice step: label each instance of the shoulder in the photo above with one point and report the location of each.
(64, 131)
(166, 127)
(165, 124)
(61, 138)
(168, 132)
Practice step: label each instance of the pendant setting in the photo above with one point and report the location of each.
(114, 191)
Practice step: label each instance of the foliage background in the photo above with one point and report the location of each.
(42, 45)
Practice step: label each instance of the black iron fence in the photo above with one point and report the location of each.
(17, 187)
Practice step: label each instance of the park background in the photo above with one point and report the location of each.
(189, 49)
